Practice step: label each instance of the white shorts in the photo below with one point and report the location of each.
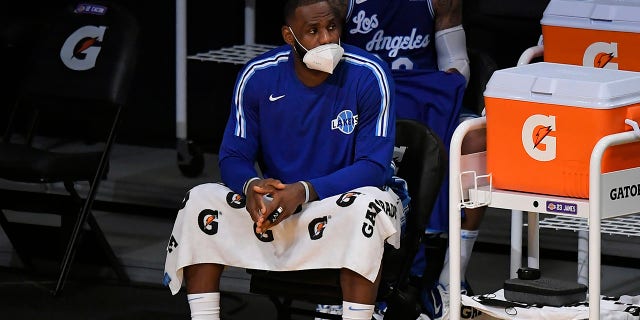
(343, 231)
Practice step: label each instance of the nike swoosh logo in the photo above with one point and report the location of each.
(358, 309)
(197, 298)
(272, 98)
(436, 305)
(360, 1)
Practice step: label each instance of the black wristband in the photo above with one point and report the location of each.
(274, 215)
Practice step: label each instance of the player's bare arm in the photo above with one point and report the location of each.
(448, 13)
(450, 39)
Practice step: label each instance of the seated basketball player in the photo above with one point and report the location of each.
(319, 119)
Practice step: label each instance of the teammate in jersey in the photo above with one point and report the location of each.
(424, 44)
(319, 119)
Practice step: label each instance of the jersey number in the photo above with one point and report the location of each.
(402, 63)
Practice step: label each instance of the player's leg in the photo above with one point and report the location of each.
(191, 240)
(359, 295)
(203, 290)
(473, 142)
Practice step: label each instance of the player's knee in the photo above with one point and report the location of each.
(474, 141)
(205, 190)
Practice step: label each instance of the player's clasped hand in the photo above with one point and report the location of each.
(285, 198)
(256, 192)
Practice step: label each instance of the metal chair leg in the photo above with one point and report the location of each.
(24, 258)
(111, 256)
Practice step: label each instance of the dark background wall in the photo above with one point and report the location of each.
(150, 119)
(503, 28)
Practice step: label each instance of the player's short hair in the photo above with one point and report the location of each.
(291, 6)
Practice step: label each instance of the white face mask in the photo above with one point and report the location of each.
(324, 58)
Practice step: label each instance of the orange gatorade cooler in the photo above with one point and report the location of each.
(544, 119)
(592, 33)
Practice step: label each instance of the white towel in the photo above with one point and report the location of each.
(343, 231)
(610, 309)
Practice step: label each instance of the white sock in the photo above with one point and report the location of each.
(204, 306)
(358, 311)
(467, 240)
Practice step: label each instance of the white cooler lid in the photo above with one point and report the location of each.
(564, 84)
(611, 15)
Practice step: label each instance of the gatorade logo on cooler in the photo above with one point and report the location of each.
(536, 137)
(600, 54)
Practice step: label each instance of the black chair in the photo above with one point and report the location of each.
(481, 67)
(422, 165)
(77, 86)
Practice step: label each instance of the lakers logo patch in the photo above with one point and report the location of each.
(346, 122)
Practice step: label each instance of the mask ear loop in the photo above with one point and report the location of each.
(296, 39)
(300, 44)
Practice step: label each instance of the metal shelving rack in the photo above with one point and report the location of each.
(190, 158)
(238, 54)
(597, 214)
